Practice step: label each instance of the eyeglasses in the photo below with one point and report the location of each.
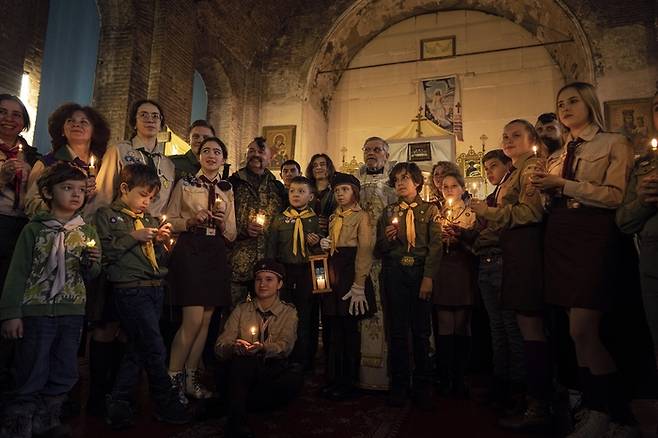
(376, 150)
(149, 116)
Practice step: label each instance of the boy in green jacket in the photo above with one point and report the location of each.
(43, 303)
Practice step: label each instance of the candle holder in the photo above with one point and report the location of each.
(320, 273)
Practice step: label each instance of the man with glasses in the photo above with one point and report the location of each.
(376, 194)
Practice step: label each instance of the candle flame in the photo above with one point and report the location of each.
(534, 149)
(394, 221)
(91, 243)
(92, 161)
(260, 219)
(654, 144)
(253, 331)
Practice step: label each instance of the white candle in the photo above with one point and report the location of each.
(92, 166)
(163, 219)
(260, 219)
(534, 150)
(654, 144)
(253, 334)
(449, 208)
(321, 282)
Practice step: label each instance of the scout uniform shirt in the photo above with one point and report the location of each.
(186, 164)
(488, 238)
(281, 237)
(192, 194)
(518, 203)
(123, 258)
(29, 287)
(635, 217)
(9, 205)
(356, 232)
(275, 328)
(132, 152)
(34, 203)
(427, 251)
(601, 167)
(458, 214)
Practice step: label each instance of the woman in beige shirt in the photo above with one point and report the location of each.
(201, 211)
(350, 245)
(583, 248)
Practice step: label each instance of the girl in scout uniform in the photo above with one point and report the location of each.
(580, 272)
(454, 287)
(350, 245)
(201, 210)
(518, 216)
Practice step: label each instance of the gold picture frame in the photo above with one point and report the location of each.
(281, 139)
(438, 48)
(632, 118)
(419, 151)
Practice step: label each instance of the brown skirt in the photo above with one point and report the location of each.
(455, 283)
(199, 274)
(341, 278)
(582, 257)
(522, 268)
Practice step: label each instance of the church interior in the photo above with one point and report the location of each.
(437, 79)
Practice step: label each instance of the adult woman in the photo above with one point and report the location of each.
(201, 209)
(518, 216)
(78, 134)
(454, 287)
(595, 171)
(440, 169)
(147, 120)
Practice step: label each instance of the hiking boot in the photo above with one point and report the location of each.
(47, 418)
(118, 413)
(193, 386)
(590, 423)
(617, 430)
(177, 379)
(172, 411)
(17, 421)
(537, 416)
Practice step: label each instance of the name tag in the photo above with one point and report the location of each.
(211, 231)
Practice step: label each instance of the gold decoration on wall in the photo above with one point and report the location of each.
(473, 170)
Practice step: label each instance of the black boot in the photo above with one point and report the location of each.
(445, 356)
(47, 419)
(462, 355)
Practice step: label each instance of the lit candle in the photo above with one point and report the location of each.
(654, 144)
(474, 186)
(449, 208)
(92, 166)
(395, 221)
(260, 219)
(322, 284)
(534, 150)
(253, 334)
(21, 154)
(91, 243)
(218, 202)
(163, 219)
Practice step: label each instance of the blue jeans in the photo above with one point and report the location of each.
(407, 312)
(506, 340)
(46, 358)
(139, 311)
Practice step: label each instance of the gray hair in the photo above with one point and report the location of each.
(384, 142)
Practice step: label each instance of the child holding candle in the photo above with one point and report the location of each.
(350, 244)
(43, 304)
(411, 253)
(454, 288)
(258, 337)
(201, 210)
(292, 236)
(133, 257)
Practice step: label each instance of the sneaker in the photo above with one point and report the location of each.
(172, 411)
(177, 379)
(193, 386)
(617, 430)
(536, 416)
(119, 414)
(590, 424)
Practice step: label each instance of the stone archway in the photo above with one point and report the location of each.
(222, 104)
(547, 21)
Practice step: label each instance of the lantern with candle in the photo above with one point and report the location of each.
(320, 273)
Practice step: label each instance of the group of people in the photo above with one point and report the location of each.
(99, 237)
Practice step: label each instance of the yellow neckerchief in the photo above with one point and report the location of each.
(147, 247)
(298, 232)
(336, 224)
(409, 222)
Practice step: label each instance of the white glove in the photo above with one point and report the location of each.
(358, 303)
(325, 243)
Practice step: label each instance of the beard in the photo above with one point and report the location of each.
(553, 144)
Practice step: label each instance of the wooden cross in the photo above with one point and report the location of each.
(418, 119)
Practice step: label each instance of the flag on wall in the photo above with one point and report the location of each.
(442, 103)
